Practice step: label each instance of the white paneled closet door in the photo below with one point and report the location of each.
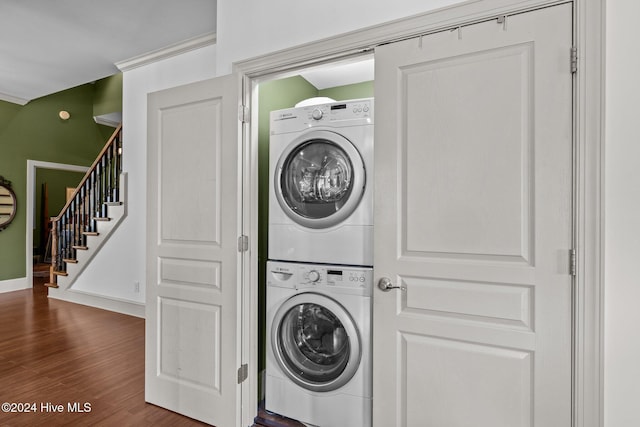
(473, 224)
(194, 186)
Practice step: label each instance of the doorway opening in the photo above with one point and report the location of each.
(340, 80)
(37, 172)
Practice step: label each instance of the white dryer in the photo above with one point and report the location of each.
(321, 197)
(318, 367)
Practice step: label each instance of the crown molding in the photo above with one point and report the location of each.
(167, 52)
(13, 99)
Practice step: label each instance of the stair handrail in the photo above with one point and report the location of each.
(77, 218)
(114, 137)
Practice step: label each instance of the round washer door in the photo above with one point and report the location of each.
(315, 342)
(319, 179)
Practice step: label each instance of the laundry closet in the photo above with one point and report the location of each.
(473, 240)
(320, 293)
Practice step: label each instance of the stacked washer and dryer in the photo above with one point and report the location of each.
(319, 277)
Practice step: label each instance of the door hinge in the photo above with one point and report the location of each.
(243, 243)
(243, 373)
(573, 262)
(243, 114)
(574, 59)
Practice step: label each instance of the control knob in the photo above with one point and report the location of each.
(317, 114)
(313, 276)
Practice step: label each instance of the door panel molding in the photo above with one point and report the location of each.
(193, 345)
(472, 120)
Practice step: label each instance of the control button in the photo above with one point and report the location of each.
(317, 114)
(365, 109)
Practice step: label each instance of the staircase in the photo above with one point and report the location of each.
(91, 214)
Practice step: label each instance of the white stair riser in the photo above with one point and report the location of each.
(116, 213)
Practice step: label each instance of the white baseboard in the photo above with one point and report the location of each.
(11, 285)
(105, 303)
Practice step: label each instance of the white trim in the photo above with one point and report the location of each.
(11, 285)
(249, 288)
(32, 165)
(99, 301)
(167, 52)
(112, 119)
(365, 40)
(13, 99)
(588, 385)
(589, 291)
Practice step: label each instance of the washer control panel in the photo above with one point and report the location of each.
(353, 280)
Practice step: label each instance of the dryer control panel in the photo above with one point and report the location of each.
(347, 110)
(342, 279)
(335, 114)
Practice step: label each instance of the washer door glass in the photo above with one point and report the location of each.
(320, 180)
(316, 342)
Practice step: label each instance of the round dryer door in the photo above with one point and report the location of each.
(320, 179)
(316, 342)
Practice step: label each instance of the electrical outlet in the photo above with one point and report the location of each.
(136, 287)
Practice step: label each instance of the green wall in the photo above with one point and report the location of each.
(276, 95)
(35, 132)
(108, 95)
(355, 91)
(272, 95)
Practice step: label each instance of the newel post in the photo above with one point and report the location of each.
(54, 251)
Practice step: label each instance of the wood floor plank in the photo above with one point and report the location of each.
(62, 353)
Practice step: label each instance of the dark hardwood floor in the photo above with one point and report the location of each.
(59, 353)
(266, 419)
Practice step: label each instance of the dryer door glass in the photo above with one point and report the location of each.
(316, 179)
(320, 179)
(314, 345)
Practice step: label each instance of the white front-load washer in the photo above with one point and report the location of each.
(318, 368)
(321, 195)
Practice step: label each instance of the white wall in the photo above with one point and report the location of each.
(622, 215)
(249, 28)
(121, 261)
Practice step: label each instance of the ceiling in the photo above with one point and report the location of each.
(52, 45)
(340, 73)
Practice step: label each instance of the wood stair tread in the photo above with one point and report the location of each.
(70, 260)
(101, 218)
(81, 248)
(90, 233)
(51, 285)
(60, 273)
(113, 203)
